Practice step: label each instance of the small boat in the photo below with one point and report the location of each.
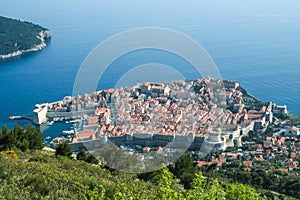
(50, 123)
(48, 138)
(66, 133)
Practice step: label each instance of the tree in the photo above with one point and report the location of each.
(165, 181)
(21, 141)
(81, 155)
(206, 189)
(185, 170)
(27, 138)
(64, 149)
(91, 159)
(239, 191)
(6, 139)
(35, 138)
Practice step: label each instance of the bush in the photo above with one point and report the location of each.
(81, 155)
(10, 153)
(64, 149)
(39, 158)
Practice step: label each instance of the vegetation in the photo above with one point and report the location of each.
(64, 149)
(16, 35)
(184, 169)
(295, 120)
(45, 176)
(34, 174)
(272, 181)
(89, 158)
(27, 138)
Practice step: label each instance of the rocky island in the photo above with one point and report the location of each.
(18, 37)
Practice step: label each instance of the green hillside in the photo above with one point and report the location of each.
(27, 172)
(17, 35)
(42, 176)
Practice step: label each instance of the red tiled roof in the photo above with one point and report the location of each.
(294, 154)
(247, 169)
(246, 162)
(268, 138)
(146, 148)
(294, 128)
(202, 163)
(93, 121)
(284, 170)
(85, 134)
(293, 166)
(219, 164)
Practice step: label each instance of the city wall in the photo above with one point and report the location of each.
(151, 140)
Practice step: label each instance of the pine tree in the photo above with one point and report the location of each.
(81, 155)
(64, 149)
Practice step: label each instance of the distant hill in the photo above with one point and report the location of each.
(17, 37)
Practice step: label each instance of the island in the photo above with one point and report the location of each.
(18, 37)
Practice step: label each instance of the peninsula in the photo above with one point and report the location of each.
(216, 113)
(18, 37)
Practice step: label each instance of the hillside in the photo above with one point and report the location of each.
(42, 176)
(27, 172)
(17, 37)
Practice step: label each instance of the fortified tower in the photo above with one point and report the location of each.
(40, 113)
(214, 141)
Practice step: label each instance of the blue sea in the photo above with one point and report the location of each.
(254, 42)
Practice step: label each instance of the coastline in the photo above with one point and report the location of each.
(42, 36)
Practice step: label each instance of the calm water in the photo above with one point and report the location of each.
(254, 42)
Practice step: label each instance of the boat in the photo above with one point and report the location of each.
(48, 138)
(50, 123)
(75, 121)
(67, 133)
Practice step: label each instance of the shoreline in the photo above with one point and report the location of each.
(42, 36)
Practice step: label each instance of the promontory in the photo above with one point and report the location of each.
(18, 37)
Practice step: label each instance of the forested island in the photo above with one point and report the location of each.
(18, 37)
